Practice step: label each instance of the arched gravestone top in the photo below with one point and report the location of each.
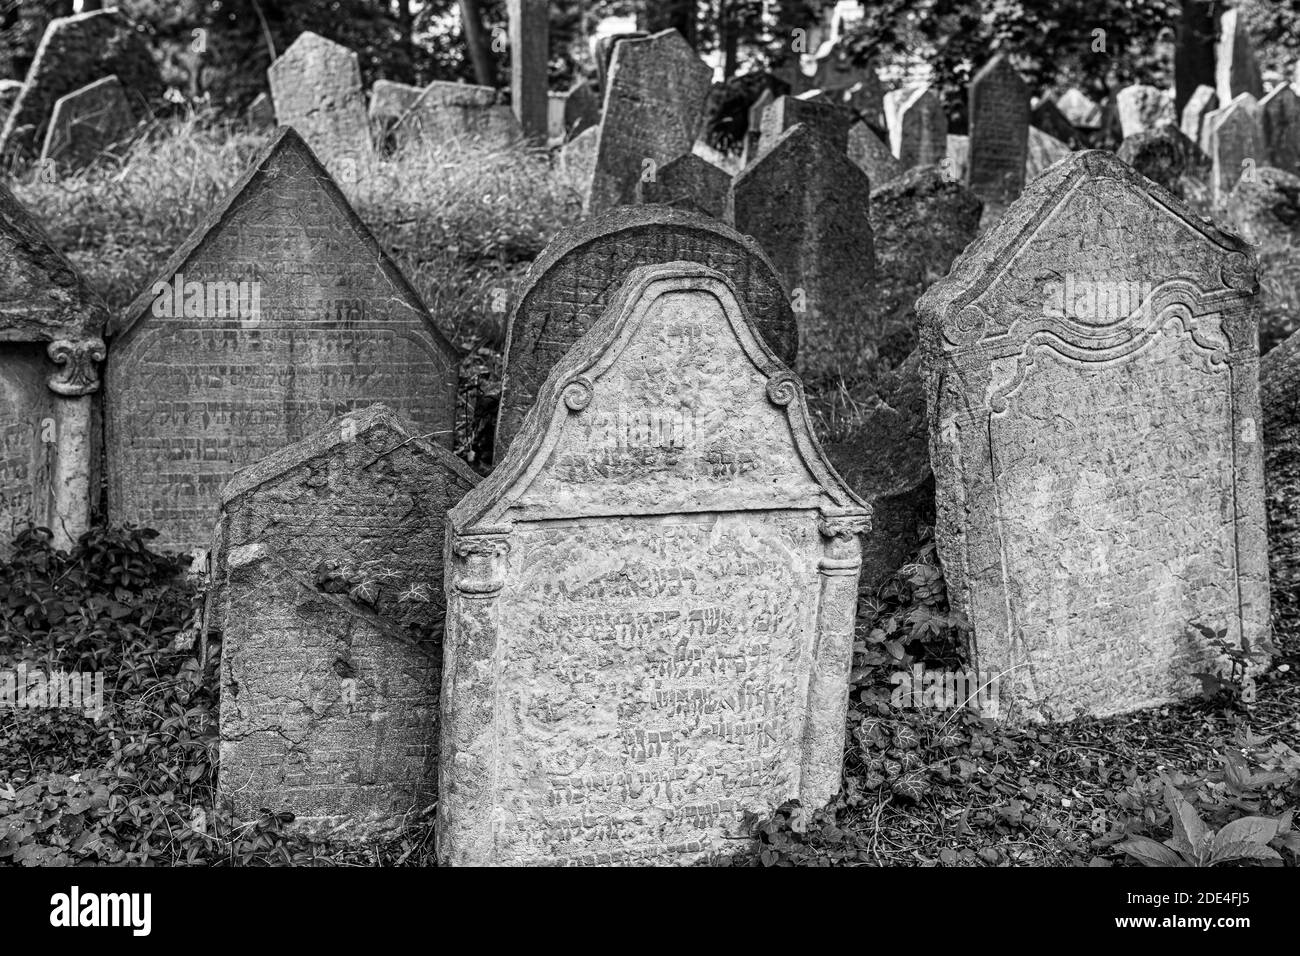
(650, 600)
(572, 281)
(202, 385)
(1091, 367)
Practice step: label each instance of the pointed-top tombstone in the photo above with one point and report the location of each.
(689, 182)
(1236, 145)
(87, 122)
(279, 312)
(754, 131)
(1047, 116)
(569, 285)
(654, 108)
(822, 117)
(650, 600)
(999, 133)
(872, 155)
(1094, 421)
(316, 85)
(1235, 68)
(1044, 150)
(919, 134)
(1200, 104)
(529, 51)
(261, 112)
(1279, 115)
(328, 567)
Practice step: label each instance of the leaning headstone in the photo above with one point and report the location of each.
(999, 134)
(650, 601)
(1094, 417)
(754, 131)
(316, 85)
(1043, 150)
(569, 285)
(87, 123)
(808, 206)
(75, 52)
(821, 117)
(50, 347)
(461, 112)
(1279, 383)
(654, 108)
(1201, 103)
(1142, 107)
(872, 155)
(328, 566)
(1264, 209)
(1165, 156)
(604, 54)
(581, 110)
(529, 49)
(1279, 116)
(278, 313)
(1079, 109)
(1236, 144)
(1047, 117)
(689, 182)
(390, 100)
(578, 157)
(261, 112)
(1235, 69)
(9, 90)
(919, 136)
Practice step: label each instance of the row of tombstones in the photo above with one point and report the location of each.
(643, 618)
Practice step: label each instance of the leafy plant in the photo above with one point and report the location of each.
(1194, 844)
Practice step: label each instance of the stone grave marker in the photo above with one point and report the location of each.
(278, 313)
(9, 90)
(1043, 150)
(75, 52)
(690, 182)
(1264, 209)
(1279, 115)
(654, 108)
(390, 100)
(578, 156)
(569, 285)
(1081, 110)
(328, 560)
(956, 161)
(530, 32)
(872, 155)
(999, 134)
(604, 54)
(754, 131)
(50, 347)
(261, 112)
(1164, 155)
(316, 86)
(1142, 107)
(821, 117)
(1236, 145)
(86, 123)
(1235, 69)
(1201, 103)
(808, 206)
(459, 111)
(581, 110)
(1047, 117)
(1279, 382)
(865, 99)
(651, 599)
(919, 136)
(1094, 419)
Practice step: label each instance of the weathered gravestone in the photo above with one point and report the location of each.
(578, 157)
(389, 101)
(919, 134)
(569, 285)
(650, 601)
(1279, 382)
(459, 111)
(1279, 116)
(654, 108)
(75, 52)
(261, 112)
(328, 566)
(1164, 155)
(872, 155)
(956, 161)
(1142, 107)
(1265, 210)
(1047, 117)
(1235, 69)
(1042, 150)
(87, 122)
(529, 48)
(278, 313)
(50, 323)
(999, 134)
(689, 182)
(808, 206)
(819, 116)
(1236, 144)
(1094, 418)
(754, 131)
(1081, 110)
(581, 110)
(603, 53)
(316, 85)
(1201, 103)
(9, 90)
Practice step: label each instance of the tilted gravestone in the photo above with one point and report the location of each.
(1202, 102)
(1042, 150)
(389, 100)
(754, 131)
(1164, 155)
(581, 110)
(1235, 69)
(316, 85)
(75, 52)
(999, 134)
(603, 54)
(1279, 116)
(654, 108)
(578, 157)
(529, 48)
(689, 182)
(9, 90)
(1264, 209)
(821, 117)
(919, 134)
(50, 325)
(872, 155)
(1081, 110)
(808, 206)
(328, 566)
(261, 112)
(87, 122)
(1236, 145)
(1142, 108)
(278, 313)
(650, 602)
(1279, 382)
(1047, 117)
(459, 111)
(569, 285)
(1091, 371)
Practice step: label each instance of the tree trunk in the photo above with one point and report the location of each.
(406, 24)
(728, 35)
(676, 15)
(1194, 50)
(471, 22)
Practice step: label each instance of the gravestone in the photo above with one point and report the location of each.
(920, 223)
(278, 313)
(654, 108)
(50, 347)
(1042, 151)
(75, 52)
(754, 131)
(1094, 418)
(389, 101)
(1235, 69)
(689, 182)
(9, 90)
(604, 54)
(650, 601)
(872, 155)
(86, 123)
(1164, 155)
(316, 85)
(581, 110)
(328, 561)
(578, 157)
(459, 111)
(1142, 107)
(808, 206)
(1279, 116)
(1047, 117)
(569, 285)
(1264, 209)
(865, 99)
(555, 117)
(1080, 109)
(261, 112)
(819, 116)
(919, 137)
(1279, 384)
(956, 161)
(1236, 144)
(1199, 105)
(529, 49)
(999, 134)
